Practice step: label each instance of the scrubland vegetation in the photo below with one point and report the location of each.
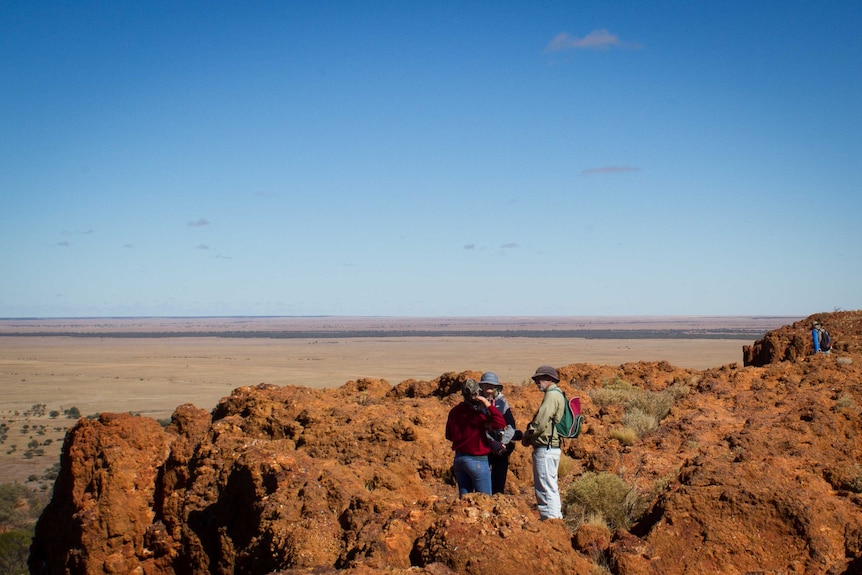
(643, 409)
(34, 435)
(20, 507)
(606, 499)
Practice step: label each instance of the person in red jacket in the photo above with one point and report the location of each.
(465, 428)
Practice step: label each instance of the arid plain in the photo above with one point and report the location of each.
(150, 366)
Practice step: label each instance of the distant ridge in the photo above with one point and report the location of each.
(556, 333)
(332, 327)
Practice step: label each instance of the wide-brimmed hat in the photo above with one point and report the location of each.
(490, 378)
(546, 371)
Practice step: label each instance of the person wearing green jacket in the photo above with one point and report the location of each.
(546, 444)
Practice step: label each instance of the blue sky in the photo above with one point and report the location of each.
(430, 158)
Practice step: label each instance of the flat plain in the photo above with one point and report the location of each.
(149, 366)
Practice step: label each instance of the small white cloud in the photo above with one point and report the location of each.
(596, 40)
(609, 170)
(470, 247)
(199, 223)
(203, 247)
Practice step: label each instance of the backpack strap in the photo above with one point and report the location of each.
(554, 418)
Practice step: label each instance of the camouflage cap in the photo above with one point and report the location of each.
(470, 389)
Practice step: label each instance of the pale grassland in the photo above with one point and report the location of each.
(152, 376)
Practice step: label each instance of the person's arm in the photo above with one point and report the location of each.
(511, 426)
(509, 432)
(496, 419)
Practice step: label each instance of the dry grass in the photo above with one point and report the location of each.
(605, 495)
(644, 409)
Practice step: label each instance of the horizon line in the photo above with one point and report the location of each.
(362, 316)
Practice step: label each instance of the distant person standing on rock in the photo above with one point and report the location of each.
(821, 338)
(502, 442)
(546, 444)
(466, 426)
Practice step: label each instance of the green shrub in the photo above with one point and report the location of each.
(640, 421)
(643, 409)
(598, 520)
(52, 472)
(845, 401)
(19, 509)
(604, 494)
(19, 506)
(14, 551)
(625, 435)
(567, 466)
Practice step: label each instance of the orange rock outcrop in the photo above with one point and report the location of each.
(757, 469)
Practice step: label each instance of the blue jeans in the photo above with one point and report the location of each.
(546, 463)
(472, 473)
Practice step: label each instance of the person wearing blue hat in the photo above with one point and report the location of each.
(502, 441)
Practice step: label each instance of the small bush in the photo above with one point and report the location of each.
(625, 435)
(640, 421)
(19, 506)
(603, 494)
(845, 401)
(14, 551)
(567, 466)
(843, 479)
(598, 520)
(644, 409)
(52, 472)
